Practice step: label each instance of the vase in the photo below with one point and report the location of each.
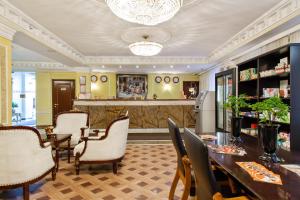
(268, 140)
(236, 123)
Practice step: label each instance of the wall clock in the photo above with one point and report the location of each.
(167, 79)
(158, 79)
(175, 79)
(94, 78)
(103, 78)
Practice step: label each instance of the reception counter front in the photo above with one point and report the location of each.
(145, 115)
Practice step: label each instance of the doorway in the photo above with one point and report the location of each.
(63, 93)
(23, 98)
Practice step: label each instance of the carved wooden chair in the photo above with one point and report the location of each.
(24, 158)
(197, 156)
(109, 148)
(189, 183)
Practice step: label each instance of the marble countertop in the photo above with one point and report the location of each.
(114, 102)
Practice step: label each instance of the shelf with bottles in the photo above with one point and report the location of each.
(282, 69)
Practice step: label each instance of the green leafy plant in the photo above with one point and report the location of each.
(235, 103)
(14, 105)
(271, 110)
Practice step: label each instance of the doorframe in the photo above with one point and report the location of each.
(232, 72)
(52, 92)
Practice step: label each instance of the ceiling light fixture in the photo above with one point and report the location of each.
(145, 48)
(154, 66)
(103, 66)
(171, 66)
(146, 12)
(120, 66)
(137, 66)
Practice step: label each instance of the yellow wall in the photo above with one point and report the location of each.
(99, 90)
(44, 93)
(5, 82)
(107, 90)
(168, 91)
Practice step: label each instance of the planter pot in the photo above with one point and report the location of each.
(236, 123)
(268, 140)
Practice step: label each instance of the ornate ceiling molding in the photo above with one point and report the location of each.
(135, 60)
(16, 19)
(281, 13)
(7, 32)
(46, 66)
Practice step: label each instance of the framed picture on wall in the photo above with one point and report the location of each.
(82, 80)
(131, 85)
(82, 89)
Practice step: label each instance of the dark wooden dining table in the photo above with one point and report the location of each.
(289, 190)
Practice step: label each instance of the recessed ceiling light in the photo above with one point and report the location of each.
(171, 66)
(154, 66)
(188, 66)
(103, 66)
(137, 66)
(120, 66)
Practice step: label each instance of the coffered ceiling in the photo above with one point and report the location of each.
(88, 26)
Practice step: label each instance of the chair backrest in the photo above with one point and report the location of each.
(71, 122)
(117, 133)
(19, 150)
(178, 143)
(197, 152)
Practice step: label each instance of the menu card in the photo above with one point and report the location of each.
(259, 173)
(228, 149)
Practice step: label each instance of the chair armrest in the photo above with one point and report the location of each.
(83, 130)
(47, 144)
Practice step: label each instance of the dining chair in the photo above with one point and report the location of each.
(197, 158)
(24, 158)
(72, 122)
(189, 184)
(109, 148)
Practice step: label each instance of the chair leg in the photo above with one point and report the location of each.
(26, 191)
(115, 168)
(54, 174)
(77, 164)
(187, 178)
(174, 184)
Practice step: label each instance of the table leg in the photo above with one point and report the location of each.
(57, 157)
(69, 150)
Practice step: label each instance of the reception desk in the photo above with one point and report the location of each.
(145, 115)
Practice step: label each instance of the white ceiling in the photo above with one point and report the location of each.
(91, 28)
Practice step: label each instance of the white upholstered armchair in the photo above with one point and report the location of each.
(24, 158)
(109, 148)
(72, 122)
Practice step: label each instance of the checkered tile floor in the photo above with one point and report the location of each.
(145, 173)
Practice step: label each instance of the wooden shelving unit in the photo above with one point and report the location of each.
(254, 87)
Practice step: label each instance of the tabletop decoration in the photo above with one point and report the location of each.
(235, 104)
(271, 110)
(259, 173)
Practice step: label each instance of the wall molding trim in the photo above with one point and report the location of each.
(7, 32)
(136, 60)
(279, 14)
(18, 20)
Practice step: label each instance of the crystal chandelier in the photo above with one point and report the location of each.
(145, 48)
(146, 12)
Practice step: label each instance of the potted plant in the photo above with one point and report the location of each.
(14, 105)
(235, 103)
(271, 111)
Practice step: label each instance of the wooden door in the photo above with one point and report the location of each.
(63, 93)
